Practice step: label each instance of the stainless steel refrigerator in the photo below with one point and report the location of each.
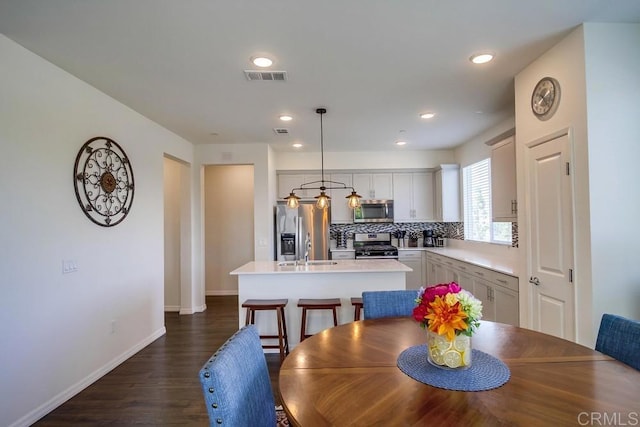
(294, 226)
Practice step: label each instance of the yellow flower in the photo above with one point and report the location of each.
(446, 319)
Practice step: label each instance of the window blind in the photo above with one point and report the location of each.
(477, 201)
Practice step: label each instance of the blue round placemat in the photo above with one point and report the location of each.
(486, 372)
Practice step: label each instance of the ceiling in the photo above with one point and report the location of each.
(374, 64)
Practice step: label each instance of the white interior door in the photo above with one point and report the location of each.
(551, 238)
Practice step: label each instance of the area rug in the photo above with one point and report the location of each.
(281, 417)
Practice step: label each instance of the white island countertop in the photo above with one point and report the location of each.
(315, 267)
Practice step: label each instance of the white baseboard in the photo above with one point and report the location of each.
(171, 308)
(194, 310)
(220, 292)
(67, 394)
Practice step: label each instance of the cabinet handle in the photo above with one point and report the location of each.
(479, 273)
(462, 267)
(502, 281)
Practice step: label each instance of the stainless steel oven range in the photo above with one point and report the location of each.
(374, 246)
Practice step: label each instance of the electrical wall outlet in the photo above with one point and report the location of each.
(69, 266)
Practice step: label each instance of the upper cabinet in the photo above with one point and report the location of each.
(413, 196)
(446, 191)
(289, 181)
(374, 185)
(340, 211)
(504, 202)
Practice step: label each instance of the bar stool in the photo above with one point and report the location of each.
(253, 305)
(356, 302)
(317, 304)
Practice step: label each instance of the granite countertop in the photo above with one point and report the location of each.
(335, 266)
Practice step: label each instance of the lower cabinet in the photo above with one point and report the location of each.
(413, 260)
(343, 254)
(498, 292)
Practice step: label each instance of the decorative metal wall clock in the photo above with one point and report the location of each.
(103, 180)
(545, 98)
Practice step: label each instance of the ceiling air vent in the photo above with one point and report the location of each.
(277, 76)
(281, 131)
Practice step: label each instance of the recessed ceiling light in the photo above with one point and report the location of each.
(401, 142)
(286, 118)
(261, 61)
(481, 58)
(427, 115)
(296, 145)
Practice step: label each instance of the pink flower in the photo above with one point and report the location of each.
(432, 292)
(419, 312)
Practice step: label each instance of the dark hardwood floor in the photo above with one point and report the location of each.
(159, 385)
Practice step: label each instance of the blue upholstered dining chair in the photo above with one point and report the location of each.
(236, 384)
(619, 338)
(378, 304)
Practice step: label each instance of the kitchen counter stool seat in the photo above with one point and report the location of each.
(317, 304)
(356, 302)
(253, 305)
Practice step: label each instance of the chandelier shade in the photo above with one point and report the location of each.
(322, 200)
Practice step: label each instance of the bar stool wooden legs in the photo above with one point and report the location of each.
(253, 305)
(317, 304)
(356, 302)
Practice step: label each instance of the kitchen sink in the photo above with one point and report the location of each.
(287, 263)
(320, 263)
(297, 263)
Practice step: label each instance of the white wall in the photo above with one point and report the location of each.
(228, 225)
(603, 129)
(57, 329)
(613, 113)
(258, 155)
(396, 159)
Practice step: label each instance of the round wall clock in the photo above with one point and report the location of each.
(545, 98)
(103, 180)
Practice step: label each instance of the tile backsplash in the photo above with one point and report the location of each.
(449, 230)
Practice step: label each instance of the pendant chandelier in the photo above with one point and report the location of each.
(322, 200)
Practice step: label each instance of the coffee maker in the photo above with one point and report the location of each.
(429, 240)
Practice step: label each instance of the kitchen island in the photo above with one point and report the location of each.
(317, 279)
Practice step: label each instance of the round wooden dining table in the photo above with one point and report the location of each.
(348, 375)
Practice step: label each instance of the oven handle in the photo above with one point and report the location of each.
(376, 257)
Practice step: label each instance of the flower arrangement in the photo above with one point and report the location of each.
(447, 309)
(450, 315)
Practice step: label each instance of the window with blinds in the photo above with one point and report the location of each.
(476, 182)
(477, 201)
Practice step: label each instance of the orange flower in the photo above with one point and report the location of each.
(445, 318)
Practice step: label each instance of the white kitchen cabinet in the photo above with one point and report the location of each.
(498, 292)
(413, 260)
(446, 193)
(374, 185)
(343, 254)
(483, 290)
(340, 211)
(289, 181)
(504, 202)
(413, 196)
(437, 271)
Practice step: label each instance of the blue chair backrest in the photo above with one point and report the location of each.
(619, 338)
(377, 304)
(236, 385)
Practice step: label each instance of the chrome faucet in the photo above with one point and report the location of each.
(307, 247)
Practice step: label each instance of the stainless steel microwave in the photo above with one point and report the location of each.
(374, 211)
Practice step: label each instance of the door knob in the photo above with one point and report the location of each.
(534, 280)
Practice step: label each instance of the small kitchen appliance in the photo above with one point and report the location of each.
(429, 240)
(374, 246)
